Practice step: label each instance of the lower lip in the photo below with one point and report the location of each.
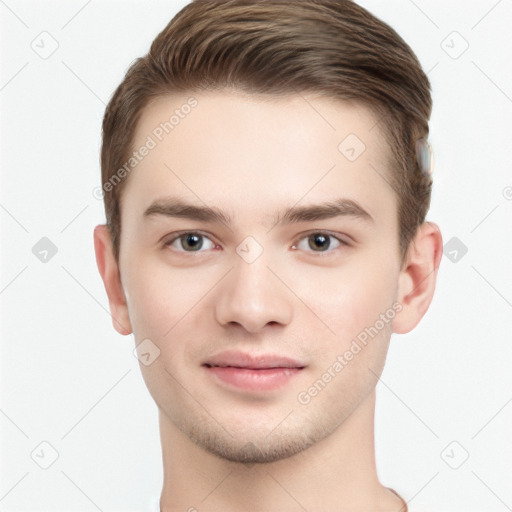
(265, 379)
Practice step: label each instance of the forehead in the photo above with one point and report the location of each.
(307, 115)
(256, 152)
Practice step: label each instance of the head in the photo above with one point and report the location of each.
(255, 112)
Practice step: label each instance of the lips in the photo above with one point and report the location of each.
(252, 372)
(252, 361)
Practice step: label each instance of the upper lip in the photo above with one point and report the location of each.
(252, 361)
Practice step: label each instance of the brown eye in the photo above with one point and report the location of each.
(192, 240)
(320, 242)
(189, 242)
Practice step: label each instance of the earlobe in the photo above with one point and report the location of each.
(110, 275)
(417, 279)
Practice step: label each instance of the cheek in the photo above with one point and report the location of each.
(350, 301)
(349, 360)
(156, 299)
(167, 305)
(161, 308)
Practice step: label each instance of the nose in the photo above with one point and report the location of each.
(252, 296)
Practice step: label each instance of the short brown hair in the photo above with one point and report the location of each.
(332, 47)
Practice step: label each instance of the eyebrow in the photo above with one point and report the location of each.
(342, 207)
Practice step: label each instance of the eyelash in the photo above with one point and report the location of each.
(320, 254)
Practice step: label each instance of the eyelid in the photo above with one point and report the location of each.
(323, 254)
(337, 236)
(178, 234)
(342, 238)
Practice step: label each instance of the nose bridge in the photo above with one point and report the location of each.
(251, 295)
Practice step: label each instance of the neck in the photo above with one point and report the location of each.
(337, 473)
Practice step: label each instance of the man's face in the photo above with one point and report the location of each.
(230, 304)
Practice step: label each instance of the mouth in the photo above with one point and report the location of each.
(263, 372)
(252, 367)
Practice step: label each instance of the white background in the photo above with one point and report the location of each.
(69, 379)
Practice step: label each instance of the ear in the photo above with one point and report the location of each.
(110, 274)
(417, 279)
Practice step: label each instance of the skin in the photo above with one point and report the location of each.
(252, 157)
